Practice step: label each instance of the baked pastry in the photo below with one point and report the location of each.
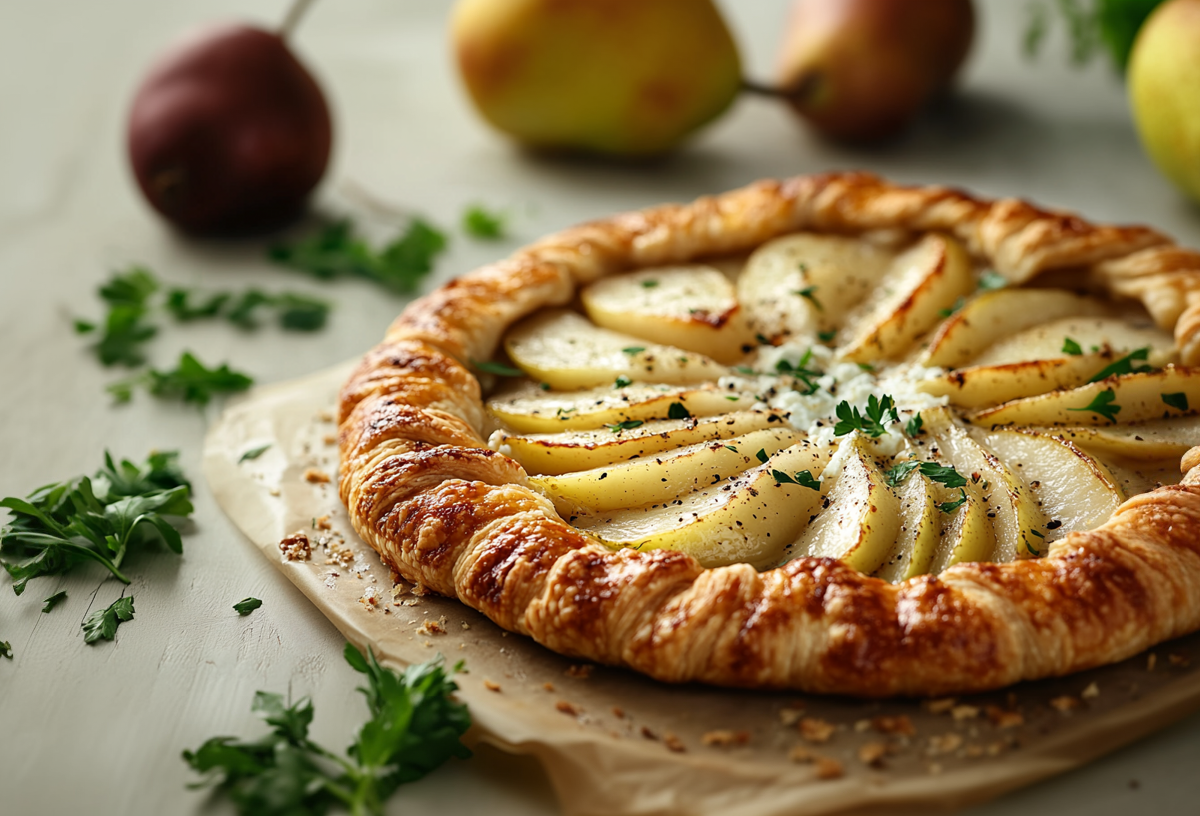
(939, 440)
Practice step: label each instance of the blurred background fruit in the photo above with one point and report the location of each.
(861, 70)
(620, 77)
(229, 132)
(1164, 91)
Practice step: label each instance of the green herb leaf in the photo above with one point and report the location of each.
(958, 304)
(827, 336)
(1125, 365)
(1071, 347)
(992, 280)
(6, 649)
(634, 349)
(54, 600)
(745, 370)
(190, 381)
(649, 283)
(103, 623)
(246, 606)
(914, 425)
(873, 424)
(1111, 25)
(499, 369)
(805, 479)
(627, 425)
(415, 725)
(676, 410)
(762, 455)
(950, 506)
(179, 304)
(254, 453)
(544, 386)
(97, 519)
(481, 223)
(731, 448)
(1178, 401)
(622, 381)
(809, 293)
(898, 473)
(1103, 405)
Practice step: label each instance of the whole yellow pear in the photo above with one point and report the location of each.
(1164, 91)
(618, 77)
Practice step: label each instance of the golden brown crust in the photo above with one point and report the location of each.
(445, 511)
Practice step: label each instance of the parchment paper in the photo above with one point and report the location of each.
(616, 743)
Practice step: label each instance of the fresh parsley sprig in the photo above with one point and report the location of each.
(415, 725)
(97, 519)
(1125, 365)
(190, 381)
(102, 624)
(484, 224)
(125, 329)
(943, 474)
(948, 507)
(1103, 404)
(880, 412)
(803, 478)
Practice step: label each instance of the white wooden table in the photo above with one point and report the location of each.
(98, 729)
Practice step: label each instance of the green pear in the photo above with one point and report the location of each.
(860, 70)
(619, 77)
(1164, 91)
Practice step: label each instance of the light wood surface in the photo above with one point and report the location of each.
(98, 729)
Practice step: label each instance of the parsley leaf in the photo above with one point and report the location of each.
(254, 453)
(94, 519)
(6, 649)
(827, 336)
(991, 280)
(621, 381)
(190, 381)
(246, 606)
(103, 623)
(809, 293)
(124, 329)
(480, 223)
(676, 410)
(804, 479)
(1178, 401)
(949, 507)
(1103, 405)
(958, 304)
(1109, 24)
(335, 251)
(497, 368)
(914, 425)
(633, 349)
(943, 474)
(627, 425)
(1125, 365)
(898, 473)
(54, 600)
(1071, 347)
(179, 304)
(649, 284)
(415, 725)
(762, 455)
(879, 412)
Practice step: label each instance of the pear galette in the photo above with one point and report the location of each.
(825, 434)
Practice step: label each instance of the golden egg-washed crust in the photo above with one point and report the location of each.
(445, 511)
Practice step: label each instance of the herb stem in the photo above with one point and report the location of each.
(295, 14)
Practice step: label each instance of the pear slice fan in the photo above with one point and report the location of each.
(886, 403)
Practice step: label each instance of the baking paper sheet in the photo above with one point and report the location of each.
(617, 743)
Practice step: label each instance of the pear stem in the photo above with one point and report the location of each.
(758, 89)
(295, 14)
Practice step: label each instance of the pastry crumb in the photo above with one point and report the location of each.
(618, 712)
(1003, 718)
(548, 686)
(899, 725)
(816, 730)
(322, 523)
(673, 743)
(296, 547)
(724, 739)
(466, 625)
(580, 672)
(964, 712)
(940, 706)
(648, 734)
(802, 755)
(790, 716)
(1178, 660)
(275, 491)
(1065, 704)
(325, 416)
(944, 743)
(567, 708)
(329, 439)
(315, 476)
(829, 769)
(490, 686)
(1091, 692)
(431, 628)
(1151, 661)
(872, 754)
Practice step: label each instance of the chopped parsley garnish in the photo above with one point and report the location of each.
(1071, 347)
(958, 304)
(481, 223)
(801, 372)
(762, 455)
(731, 448)
(867, 367)
(763, 340)
(124, 330)
(245, 607)
(804, 479)
(190, 381)
(1125, 365)
(621, 381)
(943, 474)
(102, 624)
(649, 283)
(809, 293)
(633, 349)
(544, 386)
(827, 336)
(54, 600)
(627, 425)
(1177, 401)
(498, 369)
(746, 370)
(1103, 405)
(99, 519)
(873, 423)
(254, 453)
(6, 650)
(992, 280)
(676, 410)
(914, 425)
(335, 251)
(414, 726)
(950, 506)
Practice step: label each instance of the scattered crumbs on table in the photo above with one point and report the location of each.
(490, 686)
(1151, 661)
(829, 769)
(673, 743)
(580, 672)
(548, 686)
(816, 730)
(1091, 692)
(296, 547)
(872, 754)
(790, 716)
(941, 706)
(722, 738)
(566, 708)
(316, 476)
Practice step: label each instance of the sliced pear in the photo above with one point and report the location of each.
(564, 349)
(836, 273)
(1115, 334)
(967, 532)
(1127, 398)
(861, 520)
(978, 386)
(1152, 441)
(921, 283)
(1018, 523)
(920, 531)
(661, 478)
(555, 454)
(526, 408)
(1142, 477)
(994, 316)
(1073, 490)
(691, 307)
(749, 519)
